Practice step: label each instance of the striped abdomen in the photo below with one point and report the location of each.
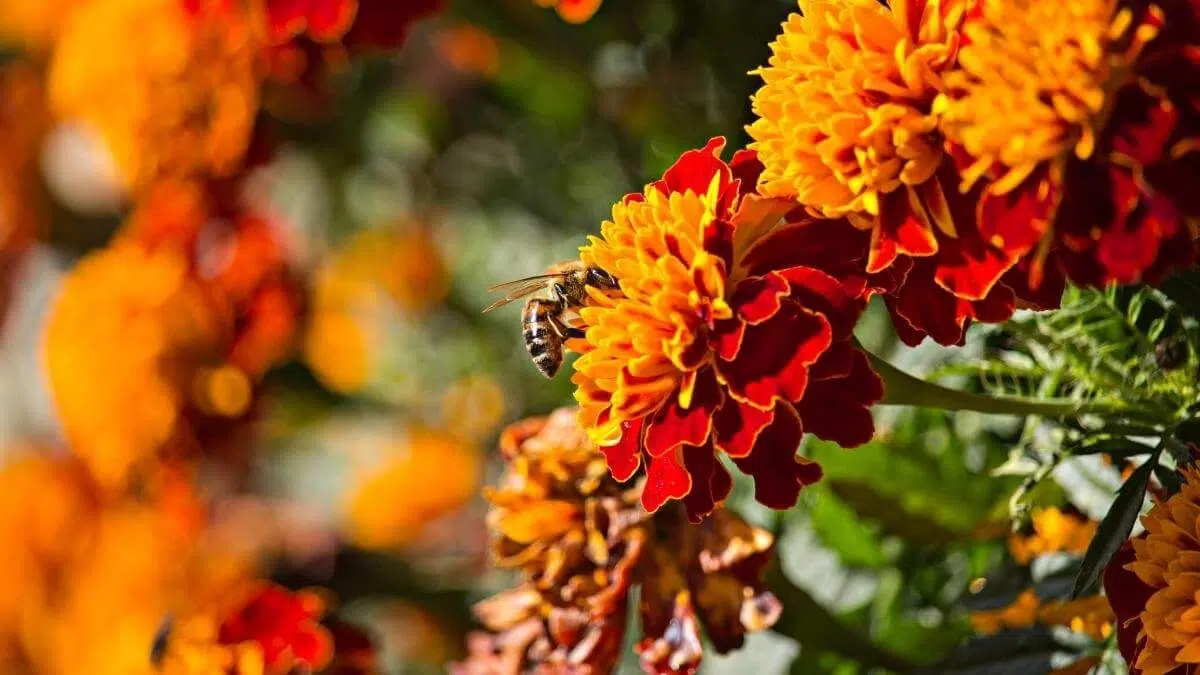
(542, 335)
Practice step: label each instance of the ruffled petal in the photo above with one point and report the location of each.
(779, 473)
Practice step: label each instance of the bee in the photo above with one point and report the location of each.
(158, 649)
(546, 319)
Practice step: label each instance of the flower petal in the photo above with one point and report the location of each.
(738, 425)
(625, 456)
(666, 479)
(673, 425)
(838, 409)
(774, 356)
(779, 473)
(711, 482)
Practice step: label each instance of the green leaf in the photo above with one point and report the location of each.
(839, 528)
(1184, 289)
(1114, 529)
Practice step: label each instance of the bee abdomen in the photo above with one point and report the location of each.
(541, 339)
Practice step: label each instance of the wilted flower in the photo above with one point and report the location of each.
(572, 11)
(1151, 584)
(731, 333)
(1083, 119)
(177, 99)
(1053, 531)
(582, 542)
(846, 126)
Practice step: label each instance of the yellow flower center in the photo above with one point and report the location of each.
(844, 114)
(642, 345)
(1034, 82)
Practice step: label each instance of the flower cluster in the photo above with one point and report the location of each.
(969, 139)
(582, 543)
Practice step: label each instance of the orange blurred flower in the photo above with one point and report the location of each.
(469, 49)
(1151, 583)
(133, 342)
(353, 291)
(177, 99)
(35, 25)
(846, 125)
(581, 542)
(1053, 531)
(1084, 117)
(1089, 616)
(730, 335)
(572, 11)
(429, 475)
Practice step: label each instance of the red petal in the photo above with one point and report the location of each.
(694, 170)
(738, 425)
(779, 473)
(840, 302)
(839, 409)
(1143, 125)
(673, 426)
(625, 456)
(758, 298)
(775, 355)
(328, 20)
(666, 479)
(1128, 595)
(746, 168)
(711, 483)
(832, 246)
(898, 228)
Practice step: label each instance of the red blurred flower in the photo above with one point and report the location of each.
(731, 333)
(285, 626)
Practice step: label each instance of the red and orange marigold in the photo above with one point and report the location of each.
(1083, 115)
(731, 333)
(1152, 584)
(846, 126)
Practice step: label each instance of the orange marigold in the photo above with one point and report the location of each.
(1089, 616)
(1152, 584)
(731, 333)
(178, 99)
(1053, 531)
(35, 25)
(132, 341)
(846, 125)
(581, 543)
(1088, 113)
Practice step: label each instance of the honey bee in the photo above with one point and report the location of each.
(546, 321)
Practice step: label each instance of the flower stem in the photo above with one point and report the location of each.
(900, 388)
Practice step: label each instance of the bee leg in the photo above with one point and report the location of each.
(573, 332)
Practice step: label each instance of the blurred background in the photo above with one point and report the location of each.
(351, 421)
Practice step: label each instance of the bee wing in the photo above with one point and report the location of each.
(520, 288)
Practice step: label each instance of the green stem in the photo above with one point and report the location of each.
(903, 389)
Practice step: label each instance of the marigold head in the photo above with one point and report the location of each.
(582, 542)
(130, 332)
(731, 333)
(1151, 584)
(1089, 112)
(177, 100)
(1053, 531)
(844, 114)
(573, 11)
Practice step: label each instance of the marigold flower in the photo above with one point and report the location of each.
(470, 50)
(428, 476)
(1053, 531)
(35, 25)
(572, 11)
(846, 125)
(1083, 117)
(128, 341)
(581, 543)
(1089, 616)
(177, 100)
(1151, 585)
(731, 333)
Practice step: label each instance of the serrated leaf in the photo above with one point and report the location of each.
(1118, 448)
(1114, 528)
